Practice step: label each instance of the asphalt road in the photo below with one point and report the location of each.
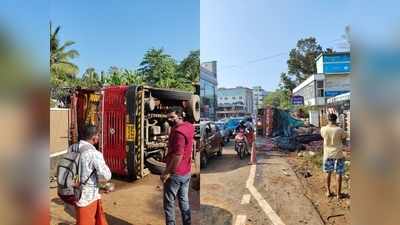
(233, 192)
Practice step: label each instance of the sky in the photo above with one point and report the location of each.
(118, 33)
(251, 39)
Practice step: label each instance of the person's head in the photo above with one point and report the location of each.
(332, 118)
(90, 134)
(175, 115)
(242, 123)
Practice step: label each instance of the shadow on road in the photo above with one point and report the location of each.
(215, 215)
(227, 162)
(116, 221)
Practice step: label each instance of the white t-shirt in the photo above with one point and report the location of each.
(333, 137)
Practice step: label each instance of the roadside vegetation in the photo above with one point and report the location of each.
(301, 65)
(157, 69)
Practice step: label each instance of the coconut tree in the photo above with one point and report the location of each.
(60, 57)
(91, 79)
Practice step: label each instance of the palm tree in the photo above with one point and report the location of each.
(60, 65)
(91, 79)
(189, 68)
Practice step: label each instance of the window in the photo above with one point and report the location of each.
(226, 98)
(320, 88)
(240, 97)
(320, 84)
(234, 98)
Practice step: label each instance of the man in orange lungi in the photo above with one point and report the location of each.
(94, 170)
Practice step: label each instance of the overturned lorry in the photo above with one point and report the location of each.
(133, 125)
(286, 131)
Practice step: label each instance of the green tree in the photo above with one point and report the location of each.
(61, 66)
(278, 98)
(132, 77)
(287, 83)
(301, 62)
(158, 69)
(62, 70)
(189, 68)
(90, 79)
(114, 76)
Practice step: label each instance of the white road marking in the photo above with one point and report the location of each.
(275, 219)
(245, 199)
(240, 220)
(58, 153)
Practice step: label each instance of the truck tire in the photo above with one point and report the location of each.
(171, 94)
(195, 108)
(155, 166)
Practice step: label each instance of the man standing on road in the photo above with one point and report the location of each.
(94, 170)
(176, 177)
(333, 159)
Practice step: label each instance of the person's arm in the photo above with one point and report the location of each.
(102, 170)
(179, 148)
(322, 132)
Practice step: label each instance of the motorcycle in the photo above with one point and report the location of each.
(241, 142)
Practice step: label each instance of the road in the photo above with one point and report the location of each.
(233, 192)
(136, 203)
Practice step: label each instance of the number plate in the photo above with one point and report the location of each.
(130, 132)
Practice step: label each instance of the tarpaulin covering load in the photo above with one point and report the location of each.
(284, 123)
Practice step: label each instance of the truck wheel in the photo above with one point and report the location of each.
(155, 166)
(195, 108)
(171, 94)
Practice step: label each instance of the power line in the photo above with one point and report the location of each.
(275, 55)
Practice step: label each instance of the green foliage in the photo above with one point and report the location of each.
(301, 62)
(158, 68)
(90, 79)
(287, 83)
(116, 76)
(60, 58)
(189, 68)
(279, 98)
(62, 70)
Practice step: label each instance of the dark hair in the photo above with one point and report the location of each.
(88, 132)
(332, 117)
(177, 110)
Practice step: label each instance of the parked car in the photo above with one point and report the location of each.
(211, 142)
(223, 131)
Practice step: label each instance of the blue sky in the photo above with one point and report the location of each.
(236, 33)
(118, 33)
(240, 34)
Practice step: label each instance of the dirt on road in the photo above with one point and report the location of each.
(136, 203)
(331, 210)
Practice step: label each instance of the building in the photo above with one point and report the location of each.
(258, 95)
(208, 90)
(333, 78)
(233, 102)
